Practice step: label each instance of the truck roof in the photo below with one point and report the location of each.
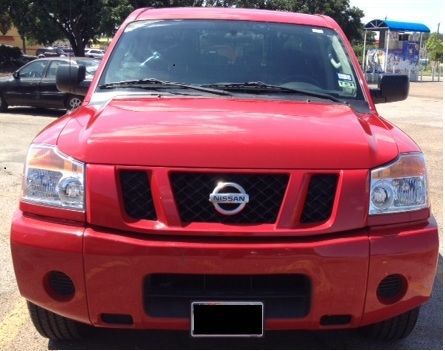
(218, 13)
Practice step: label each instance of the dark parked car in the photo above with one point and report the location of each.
(34, 84)
(68, 52)
(50, 52)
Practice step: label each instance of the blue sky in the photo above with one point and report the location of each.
(428, 12)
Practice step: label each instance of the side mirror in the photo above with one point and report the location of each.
(391, 88)
(16, 74)
(71, 79)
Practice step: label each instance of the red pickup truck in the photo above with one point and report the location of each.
(226, 174)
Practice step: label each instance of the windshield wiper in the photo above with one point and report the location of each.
(154, 83)
(264, 87)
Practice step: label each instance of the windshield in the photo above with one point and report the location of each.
(208, 52)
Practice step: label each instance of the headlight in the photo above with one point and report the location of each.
(53, 179)
(399, 187)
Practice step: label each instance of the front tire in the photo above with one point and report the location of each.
(3, 104)
(395, 328)
(55, 327)
(73, 102)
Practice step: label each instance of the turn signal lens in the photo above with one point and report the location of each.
(53, 179)
(399, 187)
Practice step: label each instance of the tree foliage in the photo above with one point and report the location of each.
(78, 21)
(340, 10)
(434, 46)
(10, 58)
(81, 21)
(5, 22)
(9, 53)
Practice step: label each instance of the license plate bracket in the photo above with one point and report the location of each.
(227, 319)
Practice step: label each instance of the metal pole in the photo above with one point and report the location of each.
(364, 52)
(420, 45)
(386, 50)
(419, 64)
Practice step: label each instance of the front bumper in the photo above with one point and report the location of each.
(108, 269)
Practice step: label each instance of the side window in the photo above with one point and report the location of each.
(33, 70)
(340, 62)
(52, 70)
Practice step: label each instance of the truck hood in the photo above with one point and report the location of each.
(227, 133)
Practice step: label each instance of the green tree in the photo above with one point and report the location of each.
(434, 46)
(5, 22)
(83, 21)
(347, 17)
(79, 21)
(340, 10)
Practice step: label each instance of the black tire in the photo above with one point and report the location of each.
(393, 329)
(73, 101)
(55, 327)
(3, 104)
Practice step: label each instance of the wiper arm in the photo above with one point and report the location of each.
(154, 83)
(260, 86)
(131, 83)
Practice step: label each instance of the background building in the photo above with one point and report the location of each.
(12, 38)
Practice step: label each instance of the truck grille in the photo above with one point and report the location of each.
(136, 194)
(319, 198)
(192, 190)
(283, 295)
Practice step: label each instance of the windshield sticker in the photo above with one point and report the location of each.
(344, 76)
(346, 84)
(316, 30)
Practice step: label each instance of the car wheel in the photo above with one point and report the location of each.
(395, 328)
(3, 104)
(73, 102)
(55, 327)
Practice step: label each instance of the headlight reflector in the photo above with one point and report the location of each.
(400, 186)
(53, 179)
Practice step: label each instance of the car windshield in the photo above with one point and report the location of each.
(218, 52)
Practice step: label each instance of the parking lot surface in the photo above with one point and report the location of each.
(420, 116)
